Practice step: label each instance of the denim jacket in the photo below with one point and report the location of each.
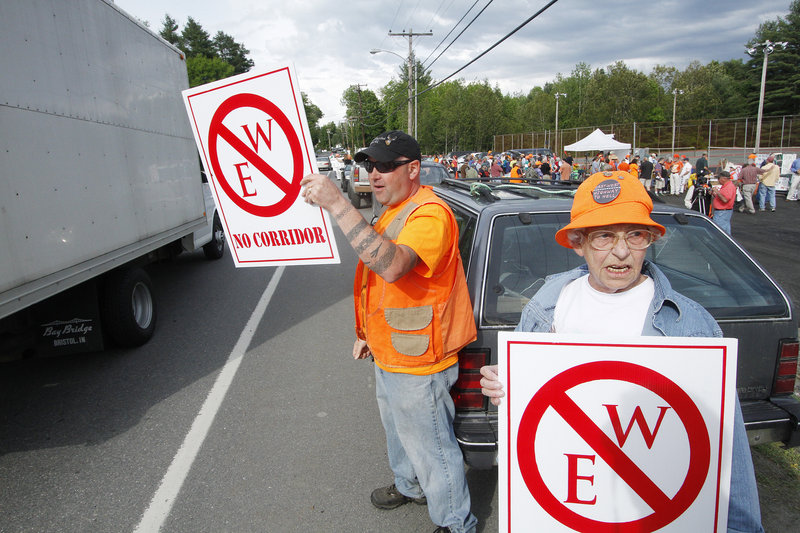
(670, 315)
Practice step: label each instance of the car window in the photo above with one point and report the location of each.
(705, 266)
(466, 231)
(432, 174)
(699, 261)
(522, 252)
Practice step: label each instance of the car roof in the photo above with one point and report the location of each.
(542, 196)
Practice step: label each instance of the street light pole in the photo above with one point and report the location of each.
(555, 145)
(675, 93)
(768, 47)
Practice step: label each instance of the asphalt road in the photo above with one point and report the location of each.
(296, 442)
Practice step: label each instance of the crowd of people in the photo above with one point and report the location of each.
(511, 165)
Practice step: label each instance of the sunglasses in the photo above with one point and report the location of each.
(384, 168)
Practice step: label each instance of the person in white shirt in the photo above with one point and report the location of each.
(686, 171)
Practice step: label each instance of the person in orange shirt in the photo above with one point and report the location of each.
(516, 174)
(413, 314)
(675, 175)
(633, 168)
(624, 165)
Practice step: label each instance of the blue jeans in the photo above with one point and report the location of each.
(744, 510)
(723, 219)
(765, 193)
(417, 414)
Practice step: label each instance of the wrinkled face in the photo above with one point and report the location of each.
(392, 188)
(617, 269)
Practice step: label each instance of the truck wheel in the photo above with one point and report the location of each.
(216, 247)
(128, 308)
(355, 198)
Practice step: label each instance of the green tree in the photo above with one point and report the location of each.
(206, 60)
(202, 69)
(313, 115)
(169, 31)
(782, 88)
(366, 113)
(195, 40)
(232, 52)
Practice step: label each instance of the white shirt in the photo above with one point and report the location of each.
(582, 309)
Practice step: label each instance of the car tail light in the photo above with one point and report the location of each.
(356, 173)
(466, 391)
(787, 367)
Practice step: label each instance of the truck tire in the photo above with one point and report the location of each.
(355, 198)
(127, 307)
(215, 248)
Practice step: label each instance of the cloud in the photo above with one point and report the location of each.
(329, 42)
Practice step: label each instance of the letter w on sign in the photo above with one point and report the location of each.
(259, 133)
(638, 418)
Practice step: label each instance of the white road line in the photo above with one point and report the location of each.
(161, 504)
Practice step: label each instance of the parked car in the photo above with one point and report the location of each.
(430, 173)
(356, 185)
(324, 163)
(508, 248)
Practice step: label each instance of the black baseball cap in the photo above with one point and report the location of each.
(390, 145)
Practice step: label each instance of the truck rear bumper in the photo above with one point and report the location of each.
(776, 419)
(773, 420)
(477, 436)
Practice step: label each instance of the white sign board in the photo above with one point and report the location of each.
(615, 435)
(252, 134)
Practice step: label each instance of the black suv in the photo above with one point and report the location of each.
(508, 248)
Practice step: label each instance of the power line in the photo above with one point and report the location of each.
(512, 32)
(509, 34)
(451, 31)
(437, 11)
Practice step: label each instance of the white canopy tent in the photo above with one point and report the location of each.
(597, 141)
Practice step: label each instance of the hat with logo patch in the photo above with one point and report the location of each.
(607, 198)
(390, 145)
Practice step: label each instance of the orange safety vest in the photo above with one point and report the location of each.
(417, 324)
(516, 173)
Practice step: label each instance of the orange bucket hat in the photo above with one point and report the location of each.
(607, 198)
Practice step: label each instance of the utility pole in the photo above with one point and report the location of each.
(558, 95)
(361, 114)
(675, 93)
(410, 34)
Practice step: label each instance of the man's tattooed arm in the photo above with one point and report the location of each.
(378, 253)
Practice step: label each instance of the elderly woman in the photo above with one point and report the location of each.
(618, 292)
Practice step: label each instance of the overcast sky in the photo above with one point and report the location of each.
(329, 40)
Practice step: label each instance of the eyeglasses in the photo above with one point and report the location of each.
(384, 168)
(637, 239)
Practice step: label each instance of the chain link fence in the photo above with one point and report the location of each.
(731, 138)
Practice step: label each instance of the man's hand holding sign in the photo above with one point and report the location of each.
(605, 432)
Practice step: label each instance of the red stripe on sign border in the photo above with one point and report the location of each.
(665, 510)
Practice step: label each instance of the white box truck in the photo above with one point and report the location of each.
(99, 175)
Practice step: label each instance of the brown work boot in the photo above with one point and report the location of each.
(390, 498)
